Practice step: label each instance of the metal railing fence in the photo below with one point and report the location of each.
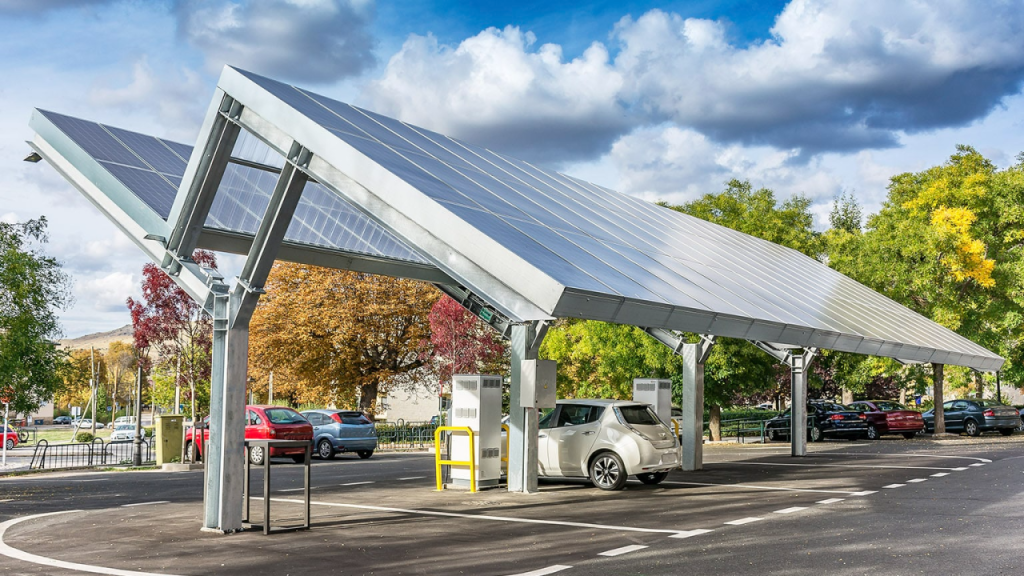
(405, 435)
(87, 454)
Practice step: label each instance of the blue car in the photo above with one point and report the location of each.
(337, 431)
(974, 416)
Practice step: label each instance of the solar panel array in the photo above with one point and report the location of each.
(594, 239)
(152, 169)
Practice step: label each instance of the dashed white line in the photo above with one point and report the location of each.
(940, 474)
(412, 478)
(865, 493)
(145, 503)
(357, 483)
(543, 571)
(790, 510)
(743, 521)
(831, 501)
(691, 533)
(756, 487)
(976, 464)
(894, 486)
(916, 480)
(839, 465)
(623, 550)
(294, 489)
(960, 469)
(7, 500)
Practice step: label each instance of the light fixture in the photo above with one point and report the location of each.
(33, 157)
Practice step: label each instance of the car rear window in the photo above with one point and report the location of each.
(354, 418)
(890, 406)
(638, 415)
(988, 403)
(284, 416)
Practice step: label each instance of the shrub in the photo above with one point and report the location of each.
(84, 437)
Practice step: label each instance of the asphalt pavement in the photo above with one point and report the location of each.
(886, 507)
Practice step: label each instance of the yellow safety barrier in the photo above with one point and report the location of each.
(472, 455)
(508, 438)
(675, 424)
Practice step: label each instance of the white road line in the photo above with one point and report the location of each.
(483, 517)
(7, 500)
(894, 486)
(145, 503)
(756, 487)
(42, 560)
(357, 483)
(865, 493)
(843, 466)
(961, 469)
(91, 480)
(294, 489)
(977, 464)
(916, 480)
(543, 571)
(940, 474)
(411, 478)
(691, 533)
(831, 500)
(818, 455)
(623, 550)
(743, 521)
(790, 510)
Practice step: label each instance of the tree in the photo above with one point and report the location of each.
(169, 319)
(462, 344)
(339, 333)
(32, 287)
(120, 362)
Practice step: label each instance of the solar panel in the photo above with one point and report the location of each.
(594, 241)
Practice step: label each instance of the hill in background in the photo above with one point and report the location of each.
(100, 340)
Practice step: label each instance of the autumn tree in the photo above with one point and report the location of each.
(462, 344)
(339, 334)
(32, 288)
(120, 364)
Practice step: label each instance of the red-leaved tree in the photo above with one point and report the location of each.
(169, 320)
(461, 343)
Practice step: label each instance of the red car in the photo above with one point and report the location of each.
(263, 423)
(10, 438)
(888, 417)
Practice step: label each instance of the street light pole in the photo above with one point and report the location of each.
(6, 407)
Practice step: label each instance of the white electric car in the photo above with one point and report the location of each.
(605, 441)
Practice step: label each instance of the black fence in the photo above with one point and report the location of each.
(405, 435)
(88, 454)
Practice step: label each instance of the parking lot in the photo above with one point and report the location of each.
(892, 506)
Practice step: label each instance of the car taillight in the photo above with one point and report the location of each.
(336, 417)
(836, 417)
(988, 412)
(862, 417)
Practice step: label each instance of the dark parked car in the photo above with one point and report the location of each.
(342, 431)
(62, 420)
(974, 416)
(888, 417)
(824, 419)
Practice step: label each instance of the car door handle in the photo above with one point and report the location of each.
(542, 436)
(589, 432)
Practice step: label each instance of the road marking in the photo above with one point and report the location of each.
(843, 466)
(543, 571)
(484, 517)
(691, 533)
(145, 503)
(781, 488)
(91, 480)
(940, 474)
(412, 478)
(831, 500)
(7, 500)
(819, 455)
(961, 469)
(865, 493)
(743, 521)
(42, 560)
(894, 486)
(977, 464)
(294, 489)
(916, 480)
(623, 550)
(357, 483)
(790, 510)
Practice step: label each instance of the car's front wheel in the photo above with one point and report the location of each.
(364, 454)
(325, 449)
(607, 471)
(10, 443)
(872, 432)
(815, 433)
(256, 455)
(971, 428)
(652, 478)
(772, 435)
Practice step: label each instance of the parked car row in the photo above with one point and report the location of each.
(332, 432)
(872, 419)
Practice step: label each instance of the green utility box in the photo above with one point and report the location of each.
(168, 438)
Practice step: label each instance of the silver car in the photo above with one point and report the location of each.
(342, 431)
(123, 432)
(606, 441)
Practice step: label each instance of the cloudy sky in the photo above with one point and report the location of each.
(665, 101)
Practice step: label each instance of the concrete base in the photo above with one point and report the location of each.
(176, 467)
(461, 484)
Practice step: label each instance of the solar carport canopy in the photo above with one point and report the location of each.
(533, 243)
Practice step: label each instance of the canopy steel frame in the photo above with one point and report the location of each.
(799, 362)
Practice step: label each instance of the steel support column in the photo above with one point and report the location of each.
(522, 450)
(799, 362)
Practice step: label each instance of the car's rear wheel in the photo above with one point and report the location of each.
(256, 455)
(190, 451)
(652, 478)
(909, 435)
(1006, 431)
(872, 432)
(325, 449)
(10, 443)
(971, 428)
(607, 471)
(815, 433)
(364, 454)
(772, 435)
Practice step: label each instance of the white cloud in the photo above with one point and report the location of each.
(9, 218)
(300, 40)
(498, 90)
(106, 292)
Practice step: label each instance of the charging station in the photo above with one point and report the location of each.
(476, 403)
(657, 393)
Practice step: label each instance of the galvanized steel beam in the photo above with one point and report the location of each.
(523, 422)
(799, 362)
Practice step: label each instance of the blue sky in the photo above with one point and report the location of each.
(665, 101)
